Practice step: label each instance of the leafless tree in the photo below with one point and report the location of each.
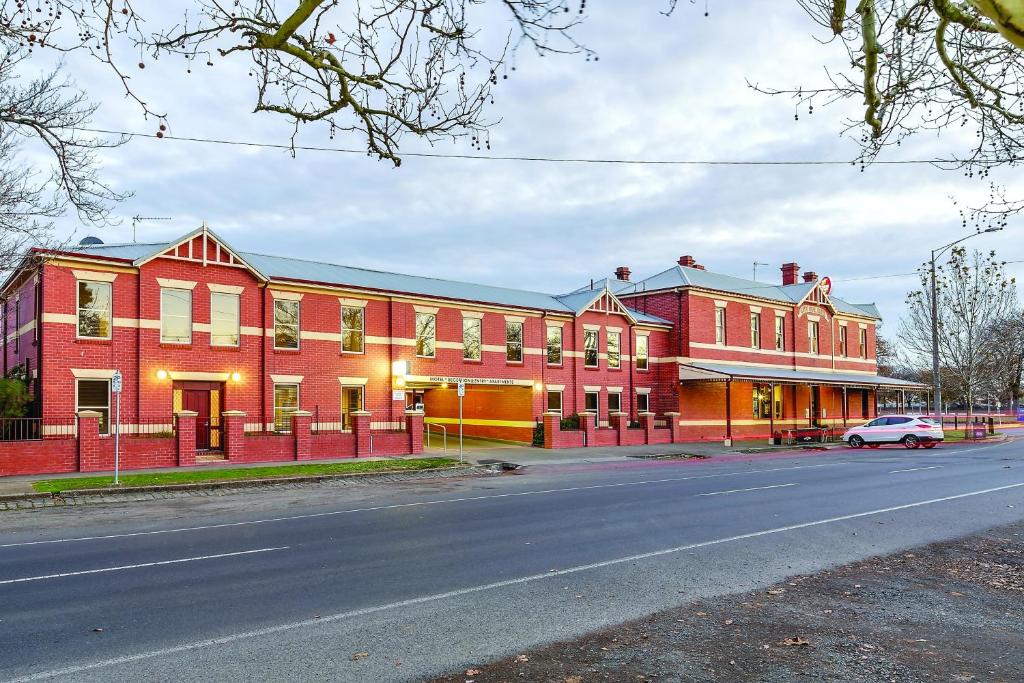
(973, 295)
(1007, 356)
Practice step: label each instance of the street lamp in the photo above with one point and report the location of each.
(936, 382)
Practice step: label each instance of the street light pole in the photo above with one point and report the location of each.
(936, 380)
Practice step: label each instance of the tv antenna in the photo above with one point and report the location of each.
(756, 264)
(136, 219)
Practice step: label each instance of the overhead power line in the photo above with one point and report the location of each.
(541, 159)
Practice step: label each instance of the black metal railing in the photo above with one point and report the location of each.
(151, 427)
(35, 428)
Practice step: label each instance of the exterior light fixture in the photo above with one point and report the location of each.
(537, 386)
(236, 377)
(400, 382)
(444, 385)
(161, 374)
(400, 368)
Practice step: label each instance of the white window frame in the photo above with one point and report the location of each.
(844, 342)
(298, 324)
(597, 348)
(609, 335)
(720, 326)
(416, 332)
(755, 330)
(597, 405)
(646, 399)
(561, 346)
(478, 323)
(341, 404)
(780, 333)
(175, 289)
(561, 401)
(862, 342)
(17, 323)
(79, 407)
(362, 329)
(298, 402)
(238, 319)
(618, 397)
(813, 338)
(646, 355)
(78, 309)
(509, 345)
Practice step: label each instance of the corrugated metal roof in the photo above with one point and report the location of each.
(709, 370)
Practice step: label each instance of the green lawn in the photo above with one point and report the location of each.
(204, 475)
(957, 435)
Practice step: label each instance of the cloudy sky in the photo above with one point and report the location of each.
(664, 88)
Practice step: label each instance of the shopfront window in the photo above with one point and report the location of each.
(765, 399)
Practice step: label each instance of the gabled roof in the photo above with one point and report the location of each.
(223, 250)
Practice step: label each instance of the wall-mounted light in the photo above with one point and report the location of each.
(537, 386)
(400, 382)
(236, 377)
(400, 368)
(161, 374)
(444, 385)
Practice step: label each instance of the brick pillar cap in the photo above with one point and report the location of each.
(300, 413)
(414, 412)
(588, 412)
(233, 413)
(645, 413)
(89, 413)
(672, 412)
(616, 414)
(552, 413)
(187, 413)
(360, 412)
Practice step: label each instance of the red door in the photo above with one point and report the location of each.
(198, 400)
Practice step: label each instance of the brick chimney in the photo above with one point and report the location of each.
(790, 273)
(687, 261)
(810, 276)
(622, 273)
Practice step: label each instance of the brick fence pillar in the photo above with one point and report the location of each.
(619, 422)
(302, 422)
(673, 424)
(361, 430)
(414, 426)
(233, 426)
(552, 429)
(589, 427)
(186, 421)
(88, 440)
(647, 420)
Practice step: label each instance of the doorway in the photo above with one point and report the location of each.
(204, 399)
(351, 401)
(815, 407)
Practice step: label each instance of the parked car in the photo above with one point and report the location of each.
(908, 430)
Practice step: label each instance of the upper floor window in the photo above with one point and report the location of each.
(175, 316)
(286, 324)
(812, 336)
(842, 340)
(642, 352)
(471, 333)
(224, 319)
(554, 346)
(720, 325)
(94, 309)
(352, 322)
(513, 341)
(426, 330)
(780, 333)
(590, 348)
(755, 330)
(17, 324)
(614, 343)
(863, 343)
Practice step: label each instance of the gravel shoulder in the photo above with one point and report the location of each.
(949, 611)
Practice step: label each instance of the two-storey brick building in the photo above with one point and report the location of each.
(196, 325)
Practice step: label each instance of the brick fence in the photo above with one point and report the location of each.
(618, 433)
(86, 450)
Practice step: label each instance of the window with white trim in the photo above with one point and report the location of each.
(286, 400)
(286, 324)
(780, 333)
(555, 402)
(590, 403)
(175, 316)
(351, 401)
(352, 329)
(642, 352)
(471, 336)
(643, 403)
(614, 402)
(554, 346)
(863, 343)
(513, 341)
(614, 343)
(755, 330)
(17, 324)
(812, 336)
(842, 340)
(94, 309)
(94, 394)
(224, 319)
(426, 335)
(720, 325)
(590, 348)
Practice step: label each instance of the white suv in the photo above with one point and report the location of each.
(905, 429)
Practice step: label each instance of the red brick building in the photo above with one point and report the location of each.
(195, 325)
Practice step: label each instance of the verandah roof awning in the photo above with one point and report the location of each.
(721, 372)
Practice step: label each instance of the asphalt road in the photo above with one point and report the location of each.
(399, 582)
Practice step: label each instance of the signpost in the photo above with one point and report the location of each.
(116, 383)
(462, 392)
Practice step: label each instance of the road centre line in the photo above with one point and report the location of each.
(247, 635)
(918, 469)
(139, 566)
(756, 488)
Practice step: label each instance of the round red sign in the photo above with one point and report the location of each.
(826, 284)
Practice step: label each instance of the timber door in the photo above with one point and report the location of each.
(198, 400)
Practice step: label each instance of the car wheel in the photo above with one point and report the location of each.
(911, 441)
(856, 441)
(930, 444)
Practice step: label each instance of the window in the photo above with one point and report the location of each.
(94, 394)
(812, 336)
(590, 348)
(286, 324)
(352, 329)
(755, 330)
(780, 333)
(17, 324)
(642, 352)
(224, 330)
(94, 310)
(176, 316)
(513, 341)
(720, 325)
(426, 326)
(643, 403)
(286, 400)
(471, 328)
(614, 341)
(842, 340)
(614, 403)
(590, 404)
(763, 400)
(555, 401)
(554, 346)
(351, 401)
(863, 343)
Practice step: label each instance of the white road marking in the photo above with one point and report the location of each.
(918, 469)
(756, 488)
(396, 506)
(247, 635)
(139, 566)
